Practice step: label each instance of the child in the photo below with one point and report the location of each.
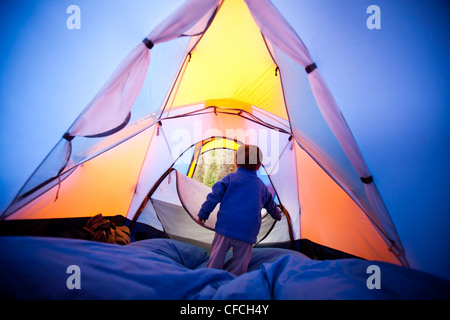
(242, 195)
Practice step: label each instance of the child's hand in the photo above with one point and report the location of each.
(201, 221)
(280, 211)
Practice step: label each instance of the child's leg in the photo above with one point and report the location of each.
(242, 252)
(219, 249)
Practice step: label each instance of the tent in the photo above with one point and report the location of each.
(245, 77)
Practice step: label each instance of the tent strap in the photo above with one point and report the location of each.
(367, 180)
(148, 43)
(310, 68)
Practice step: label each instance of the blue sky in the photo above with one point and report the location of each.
(391, 84)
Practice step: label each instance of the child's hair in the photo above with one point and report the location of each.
(249, 157)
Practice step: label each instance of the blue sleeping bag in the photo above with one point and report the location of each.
(40, 268)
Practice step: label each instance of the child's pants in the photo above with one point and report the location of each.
(242, 252)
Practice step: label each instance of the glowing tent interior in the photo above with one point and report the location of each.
(245, 77)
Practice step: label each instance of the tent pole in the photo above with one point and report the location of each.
(149, 195)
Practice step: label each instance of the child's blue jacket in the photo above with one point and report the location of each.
(242, 195)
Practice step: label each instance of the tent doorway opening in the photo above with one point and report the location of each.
(212, 159)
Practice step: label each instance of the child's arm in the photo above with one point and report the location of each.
(212, 199)
(272, 208)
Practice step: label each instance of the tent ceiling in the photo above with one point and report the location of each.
(231, 60)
